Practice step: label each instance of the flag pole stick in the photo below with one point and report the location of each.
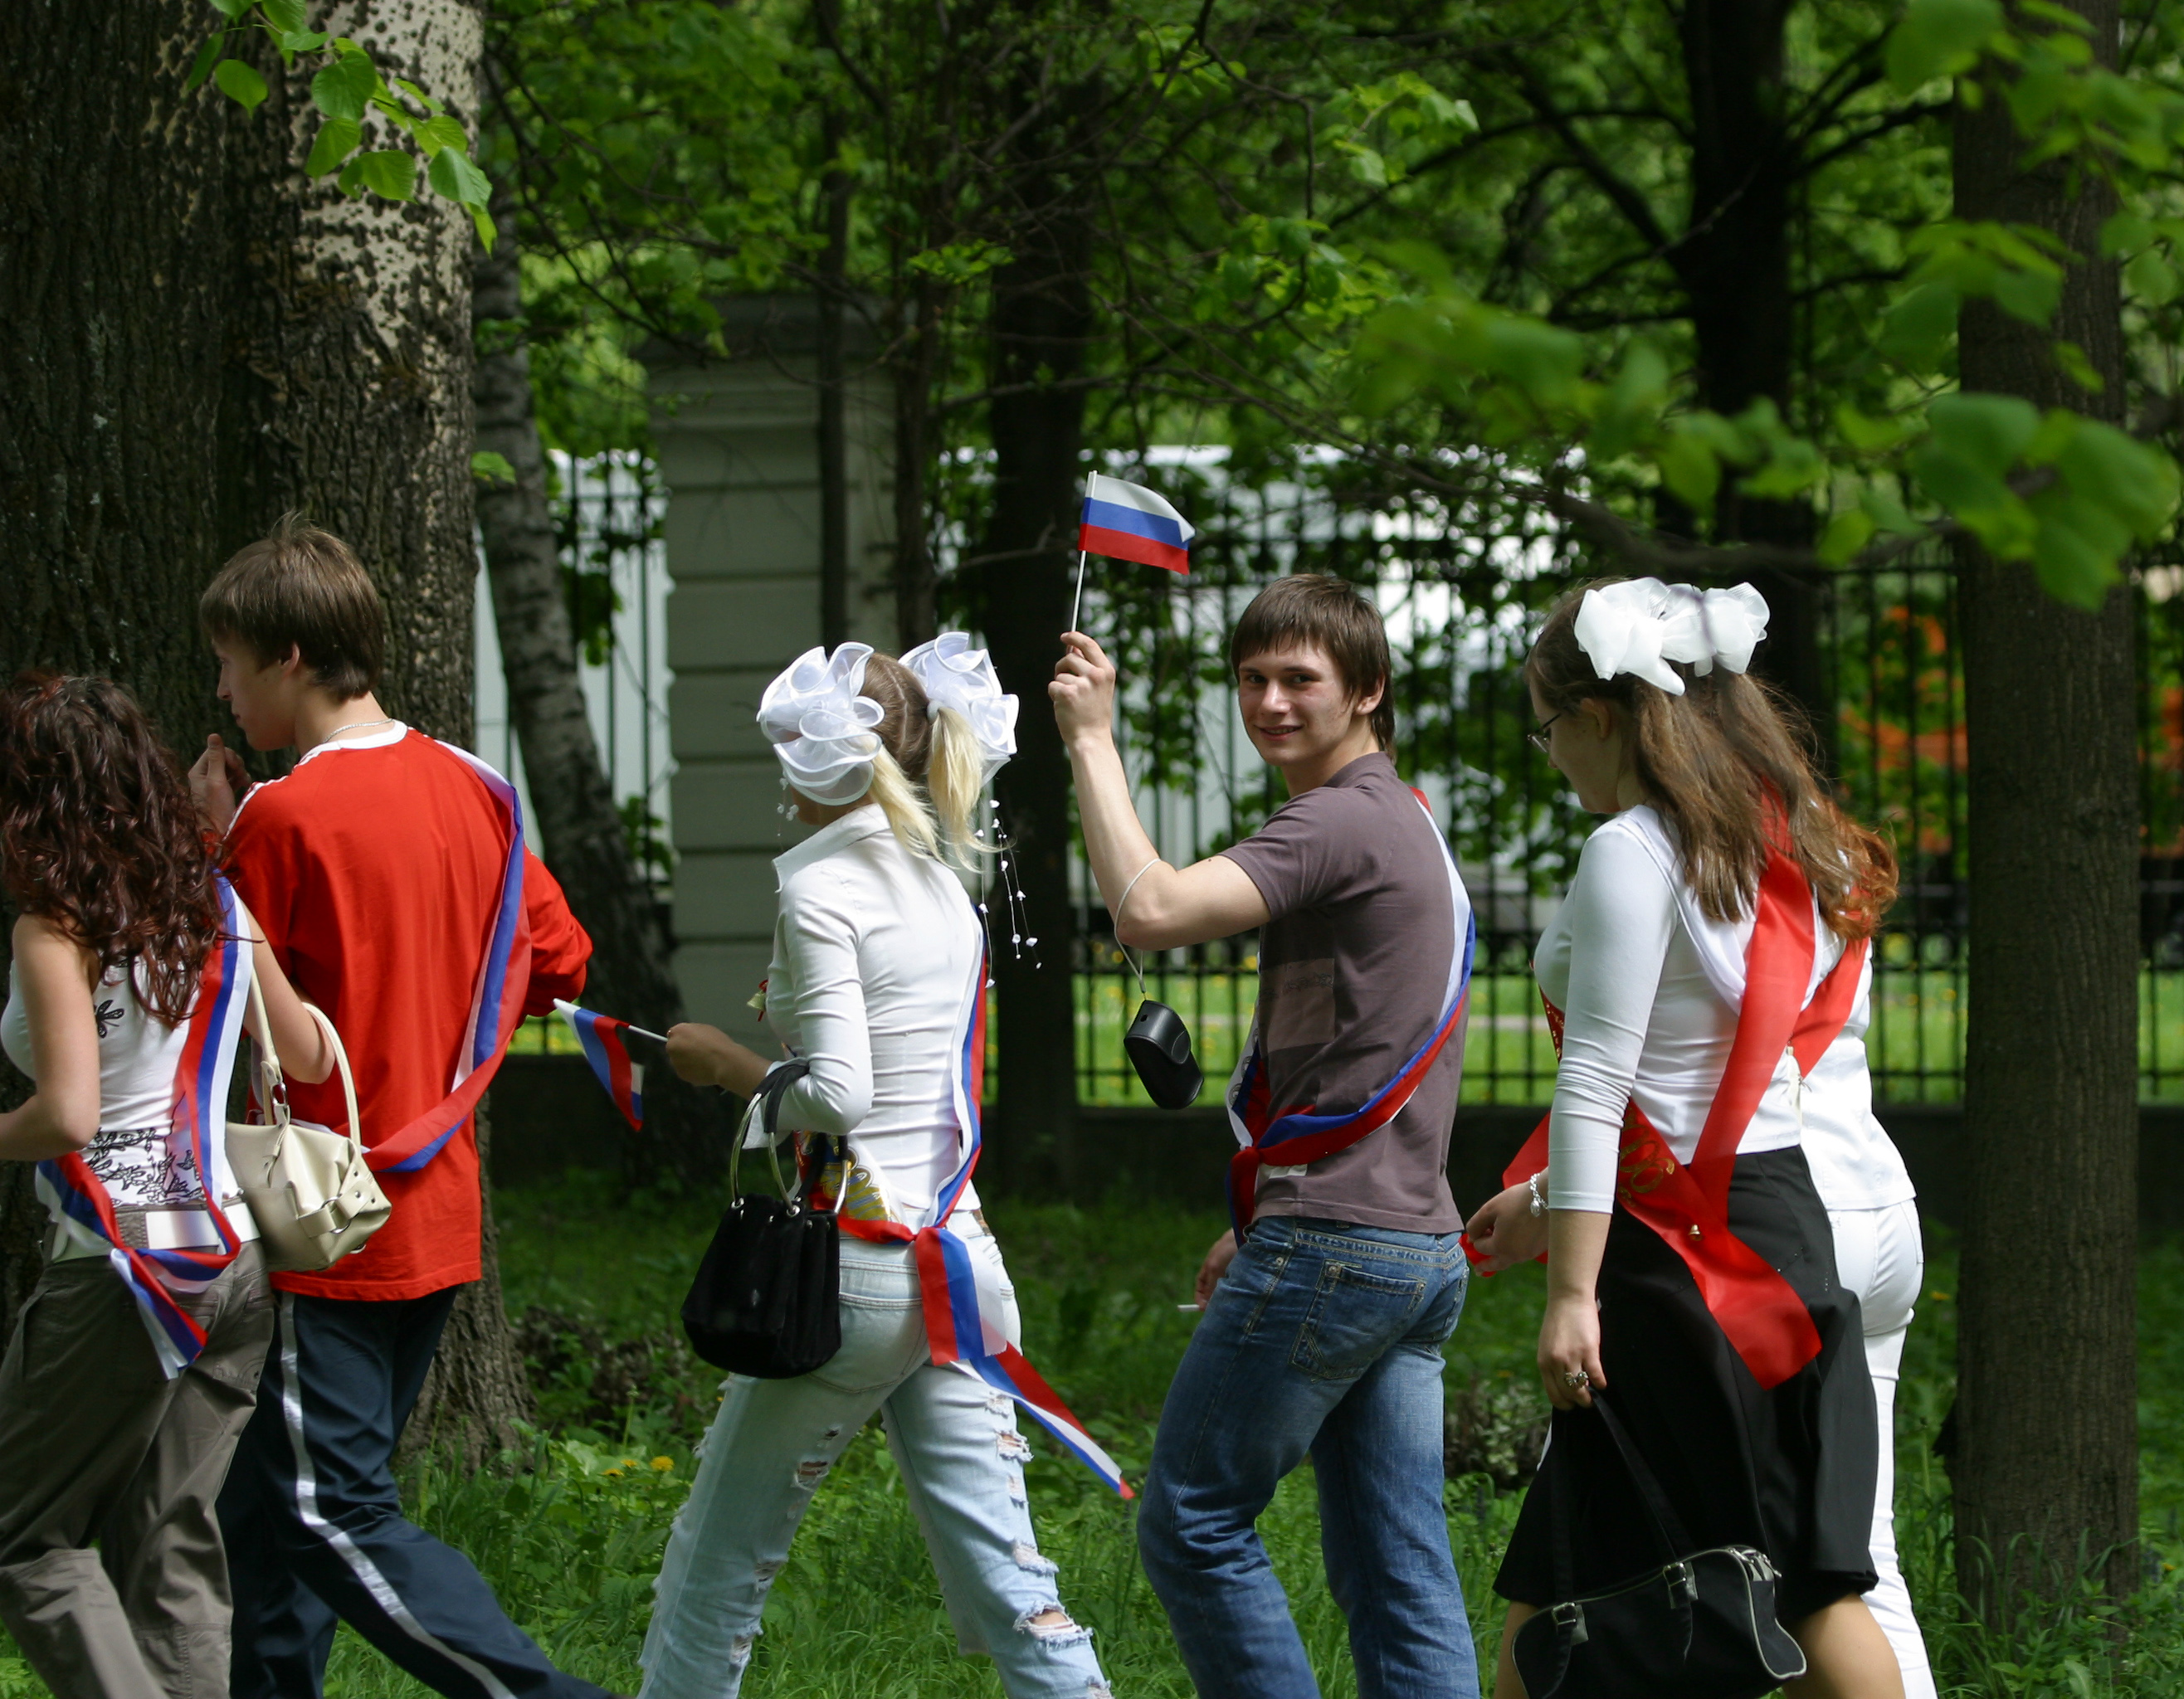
(657, 1037)
(1077, 606)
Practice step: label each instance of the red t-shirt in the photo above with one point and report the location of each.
(375, 868)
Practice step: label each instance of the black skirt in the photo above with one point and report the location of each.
(1789, 1470)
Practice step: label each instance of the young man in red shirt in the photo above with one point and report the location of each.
(381, 869)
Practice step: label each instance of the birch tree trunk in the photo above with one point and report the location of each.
(631, 977)
(2046, 1469)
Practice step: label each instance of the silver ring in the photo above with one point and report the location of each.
(1577, 1377)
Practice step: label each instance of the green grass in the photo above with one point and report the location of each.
(571, 1541)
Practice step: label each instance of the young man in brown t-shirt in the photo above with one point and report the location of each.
(1323, 1329)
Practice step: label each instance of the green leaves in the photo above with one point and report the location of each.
(348, 90)
(490, 468)
(1939, 38)
(240, 84)
(343, 88)
(2068, 493)
(387, 172)
(338, 138)
(201, 68)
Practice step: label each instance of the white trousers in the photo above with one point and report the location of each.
(1879, 1257)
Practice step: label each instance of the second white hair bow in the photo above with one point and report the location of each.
(958, 677)
(823, 733)
(1639, 626)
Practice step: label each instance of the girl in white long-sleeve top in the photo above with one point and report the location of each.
(1692, 1273)
(878, 961)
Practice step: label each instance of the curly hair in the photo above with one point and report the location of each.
(98, 835)
(1714, 762)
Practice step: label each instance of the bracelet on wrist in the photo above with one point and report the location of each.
(1538, 1205)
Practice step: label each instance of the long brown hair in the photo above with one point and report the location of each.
(98, 834)
(1723, 762)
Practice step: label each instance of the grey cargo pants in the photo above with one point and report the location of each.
(97, 1446)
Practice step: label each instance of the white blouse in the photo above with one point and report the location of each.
(138, 1054)
(872, 953)
(1650, 986)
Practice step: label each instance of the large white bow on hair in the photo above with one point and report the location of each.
(1639, 626)
(958, 677)
(824, 734)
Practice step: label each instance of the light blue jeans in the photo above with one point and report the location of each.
(1324, 1337)
(961, 1456)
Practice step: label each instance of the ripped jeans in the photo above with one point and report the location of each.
(961, 1456)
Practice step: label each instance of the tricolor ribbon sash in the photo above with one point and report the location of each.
(69, 1185)
(601, 1035)
(964, 1305)
(496, 1001)
(1687, 1204)
(1293, 1137)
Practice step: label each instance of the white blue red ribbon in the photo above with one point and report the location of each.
(1294, 1137)
(600, 1036)
(965, 1307)
(1130, 522)
(69, 1185)
(496, 1001)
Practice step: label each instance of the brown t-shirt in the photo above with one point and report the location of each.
(1353, 969)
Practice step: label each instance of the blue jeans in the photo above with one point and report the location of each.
(961, 1456)
(1323, 1336)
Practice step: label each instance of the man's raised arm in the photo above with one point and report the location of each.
(1168, 906)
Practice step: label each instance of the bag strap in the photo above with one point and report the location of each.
(276, 1083)
(349, 1078)
(764, 1109)
(1666, 1523)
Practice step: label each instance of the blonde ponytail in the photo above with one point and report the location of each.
(901, 800)
(955, 775)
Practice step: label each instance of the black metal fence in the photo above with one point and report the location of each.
(1462, 586)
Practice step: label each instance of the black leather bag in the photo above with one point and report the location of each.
(767, 1299)
(1702, 1626)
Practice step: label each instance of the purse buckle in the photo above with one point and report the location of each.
(1568, 1617)
(1682, 1588)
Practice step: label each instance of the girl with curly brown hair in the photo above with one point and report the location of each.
(135, 1361)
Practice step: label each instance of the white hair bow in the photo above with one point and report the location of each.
(824, 734)
(958, 677)
(1639, 627)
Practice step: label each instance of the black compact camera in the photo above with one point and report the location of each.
(1159, 1048)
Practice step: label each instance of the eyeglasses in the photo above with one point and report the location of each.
(1538, 734)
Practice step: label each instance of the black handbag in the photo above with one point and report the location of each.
(1700, 1627)
(767, 1299)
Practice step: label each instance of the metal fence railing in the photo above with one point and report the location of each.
(1462, 583)
(1463, 589)
(610, 511)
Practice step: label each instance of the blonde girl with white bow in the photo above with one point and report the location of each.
(874, 947)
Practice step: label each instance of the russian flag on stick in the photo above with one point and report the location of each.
(601, 1037)
(1129, 522)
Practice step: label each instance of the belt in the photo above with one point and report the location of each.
(180, 1227)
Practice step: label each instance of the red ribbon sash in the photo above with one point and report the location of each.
(1688, 1205)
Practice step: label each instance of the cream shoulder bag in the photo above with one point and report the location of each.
(309, 1189)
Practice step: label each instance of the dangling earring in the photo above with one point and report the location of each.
(786, 808)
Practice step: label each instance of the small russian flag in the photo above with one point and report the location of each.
(1129, 522)
(601, 1037)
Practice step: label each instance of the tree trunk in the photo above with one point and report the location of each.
(1042, 324)
(2046, 1469)
(348, 392)
(915, 616)
(1733, 262)
(111, 340)
(475, 1391)
(580, 835)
